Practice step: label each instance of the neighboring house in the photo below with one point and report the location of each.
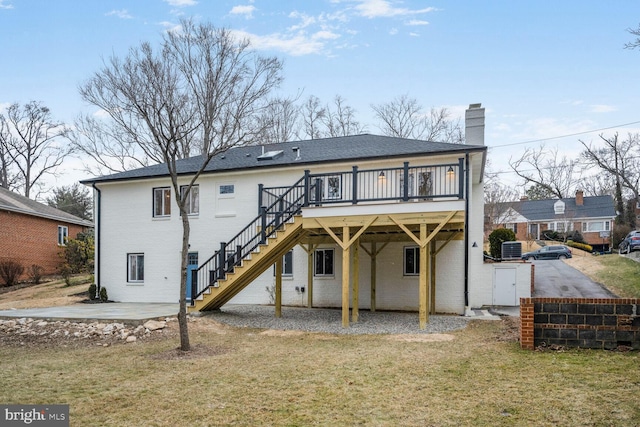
(592, 216)
(33, 234)
(360, 222)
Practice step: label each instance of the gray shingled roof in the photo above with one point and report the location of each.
(541, 210)
(10, 201)
(347, 148)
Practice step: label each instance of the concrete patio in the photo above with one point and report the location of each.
(118, 311)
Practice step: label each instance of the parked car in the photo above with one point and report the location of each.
(548, 252)
(630, 243)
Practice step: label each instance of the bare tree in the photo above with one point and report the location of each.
(34, 144)
(405, 117)
(312, 114)
(618, 161)
(600, 184)
(636, 43)
(7, 174)
(498, 198)
(104, 147)
(341, 119)
(546, 169)
(280, 121)
(201, 87)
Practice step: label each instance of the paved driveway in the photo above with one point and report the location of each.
(554, 278)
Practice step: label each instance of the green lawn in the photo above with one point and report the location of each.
(619, 274)
(251, 378)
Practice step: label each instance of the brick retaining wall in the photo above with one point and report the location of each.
(603, 323)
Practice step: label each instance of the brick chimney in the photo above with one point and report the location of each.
(579, 198)
(474, 125)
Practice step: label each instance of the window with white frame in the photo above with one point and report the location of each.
(161, 202)
(323, 263)
(287, 265)
(135, 268)
(192, 204)
(596, 226)
(411, 261)
(63, 235)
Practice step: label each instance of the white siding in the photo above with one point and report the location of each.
(127, 226)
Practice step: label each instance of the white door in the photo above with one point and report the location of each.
(504, 286)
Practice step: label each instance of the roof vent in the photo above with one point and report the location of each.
(297, 151)
(270, 155)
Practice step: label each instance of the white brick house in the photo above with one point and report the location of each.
(359, 222)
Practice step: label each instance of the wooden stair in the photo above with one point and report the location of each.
(260, 260)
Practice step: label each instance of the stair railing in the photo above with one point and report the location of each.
(232, 253)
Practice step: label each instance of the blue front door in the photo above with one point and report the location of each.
(192, 265)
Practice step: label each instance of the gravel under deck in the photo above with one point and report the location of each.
(330, 320)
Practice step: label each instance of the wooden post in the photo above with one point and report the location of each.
(432, 281)
(423, 295)
(355, 313)
(346, 261)
(310, 254)
(279, 287)
(374, 256)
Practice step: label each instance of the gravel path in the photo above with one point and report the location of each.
(330, 320)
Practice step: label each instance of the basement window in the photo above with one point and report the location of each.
(323, 263)
(135, 268)
(411, 261)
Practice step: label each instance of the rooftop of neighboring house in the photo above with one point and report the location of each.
(309, 152)
(579, 207)
(13, 202)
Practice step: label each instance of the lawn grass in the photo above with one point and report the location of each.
(621, 275)
(298, 379)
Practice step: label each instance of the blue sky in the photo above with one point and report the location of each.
(542, 69)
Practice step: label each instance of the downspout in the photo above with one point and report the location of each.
(97, 221)
(466, 234)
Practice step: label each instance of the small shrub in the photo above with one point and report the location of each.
(103, 294)
(92, 291)
(582, 246)
(10, 271)
(35, 273)
(576, 236)
(65, 272)
(497, 237)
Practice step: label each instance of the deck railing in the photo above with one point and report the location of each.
(277, 205)
(231, 253)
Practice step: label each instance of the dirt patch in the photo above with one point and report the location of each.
(198, 351)
(421, 337)
(277, 333)
(51, 294)
(587, 264)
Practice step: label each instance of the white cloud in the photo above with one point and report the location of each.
(122, 14)
(393, 31)
(415, 22)
(383, 8)
(325, 35)
(412, 34)
(4, 5)
(181, 3)
(170, 26)
(247, 11)
(305, 20)
(602, 108)
(296, 45)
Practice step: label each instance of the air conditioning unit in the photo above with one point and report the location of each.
(511, 250)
